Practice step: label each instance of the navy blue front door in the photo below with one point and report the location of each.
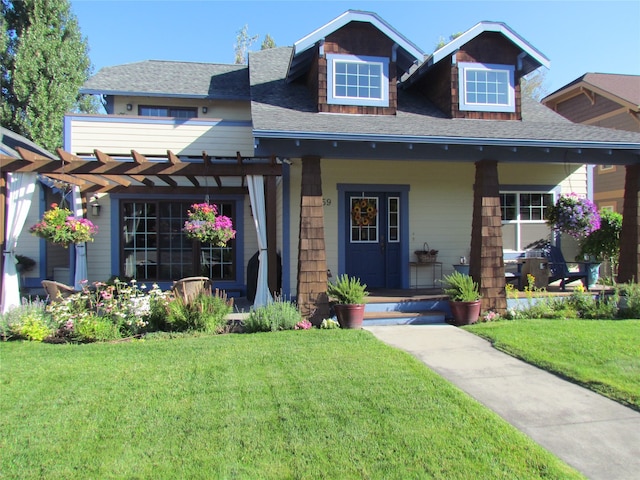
(373, 238)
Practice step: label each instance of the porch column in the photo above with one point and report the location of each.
(486, 264)
(629, 268)
(3, 224)
(312, 260)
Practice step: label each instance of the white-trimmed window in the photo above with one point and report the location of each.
(357, 80)
(524, 217)
(486, 87)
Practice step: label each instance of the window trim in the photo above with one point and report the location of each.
(463, 67)
(333, 99)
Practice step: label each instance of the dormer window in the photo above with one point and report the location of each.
(486, 87)
(357, 80)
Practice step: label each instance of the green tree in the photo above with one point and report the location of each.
(43, 63)
(243, 44)
(442, 41)
(534, 85)
(268, 42)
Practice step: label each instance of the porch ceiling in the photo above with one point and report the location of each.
(139, 174)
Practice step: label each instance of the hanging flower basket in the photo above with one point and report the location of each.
(206, 226)
(59, 226)
(575, 216)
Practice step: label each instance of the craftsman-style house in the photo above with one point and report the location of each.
(367, 149)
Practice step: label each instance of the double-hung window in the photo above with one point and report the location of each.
(486, 87)
(524, 217)
(357, 80)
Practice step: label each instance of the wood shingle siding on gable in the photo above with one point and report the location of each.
(490, 48)
(356, 38)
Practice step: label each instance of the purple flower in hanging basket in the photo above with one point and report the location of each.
(206, 226)
(573, 215)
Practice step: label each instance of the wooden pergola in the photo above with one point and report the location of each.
(138, 174)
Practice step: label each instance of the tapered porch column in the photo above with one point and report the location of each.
(312, 258)
(629, 269)
(486, 263)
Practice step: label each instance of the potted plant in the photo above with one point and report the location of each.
(206, 226)
(573, 215)
(349, 294)
(464, 297)
(602, 244)
(59, 226)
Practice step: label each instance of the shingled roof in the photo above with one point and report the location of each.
(172, 79)
(625, 87)
(286, 110)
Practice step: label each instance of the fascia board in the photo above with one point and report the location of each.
(574, 90)
(124, 93)
(482, 27)
(310, 40)
(441, 140)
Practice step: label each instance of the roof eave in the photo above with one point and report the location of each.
(536, 58)
(126, 93)
(309, 41)
(444, 140)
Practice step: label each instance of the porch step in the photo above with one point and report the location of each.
(403, 318)
(406, 309)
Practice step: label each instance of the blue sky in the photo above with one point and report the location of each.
(577, 36)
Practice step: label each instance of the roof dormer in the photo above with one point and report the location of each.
(351, 64)
(477, 75)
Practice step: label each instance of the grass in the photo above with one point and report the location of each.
(603, 355)
(297, 404)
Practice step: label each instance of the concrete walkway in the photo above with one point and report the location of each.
(595, 435)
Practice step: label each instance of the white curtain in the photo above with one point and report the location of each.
(81, 248)
(20, 188)
(256, 195)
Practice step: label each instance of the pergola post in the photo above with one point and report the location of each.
(272, 253)
(629, 269)
(487, 263)
(312, 261)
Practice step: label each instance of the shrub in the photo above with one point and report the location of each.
(28, 321)
(277, 315)
(204, 313)
(329, 323)
(630, 300)
(94, 328)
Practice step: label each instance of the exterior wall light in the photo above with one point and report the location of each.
(129, 107)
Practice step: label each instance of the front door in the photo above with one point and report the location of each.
(373, 238)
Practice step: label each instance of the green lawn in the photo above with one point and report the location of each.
(603, 355)
(333, 404)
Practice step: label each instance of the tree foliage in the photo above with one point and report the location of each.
(43, 63)
(243, 44)
(268, 42)
(534, 85)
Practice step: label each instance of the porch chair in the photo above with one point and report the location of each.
(559, 269)
(56, 291)
(190, 287)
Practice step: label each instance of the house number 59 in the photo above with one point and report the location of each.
(326, 202)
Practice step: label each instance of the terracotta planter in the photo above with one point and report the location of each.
(465, 313)
(349, 316)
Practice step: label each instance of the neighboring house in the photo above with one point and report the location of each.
(369, 149)
(603, 100)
